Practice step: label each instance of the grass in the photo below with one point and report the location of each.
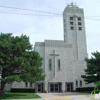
(9, 95)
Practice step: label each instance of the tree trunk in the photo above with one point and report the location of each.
(2, 92)
(2, 85)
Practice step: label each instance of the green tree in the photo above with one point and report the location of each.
(18, 61)
(92, 73)
(97, 87)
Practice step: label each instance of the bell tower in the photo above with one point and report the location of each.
(74, 30)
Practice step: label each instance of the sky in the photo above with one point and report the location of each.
(40, 26)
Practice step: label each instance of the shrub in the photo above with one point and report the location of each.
(96, 91)
(22, 90)
(97, 87)
(84, 89)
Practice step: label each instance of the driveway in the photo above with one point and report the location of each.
(66, 96)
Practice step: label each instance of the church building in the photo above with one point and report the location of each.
(63, 61)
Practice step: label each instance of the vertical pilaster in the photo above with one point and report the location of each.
(46, 87)
(63, 87)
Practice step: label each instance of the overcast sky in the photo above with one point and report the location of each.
(39, 28)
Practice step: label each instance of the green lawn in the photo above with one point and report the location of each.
(10, 95)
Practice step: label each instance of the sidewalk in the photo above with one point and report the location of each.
(66, 96)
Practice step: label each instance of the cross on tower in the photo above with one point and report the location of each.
(54, 54)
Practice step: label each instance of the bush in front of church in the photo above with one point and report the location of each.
(84, 89)
(23, 90)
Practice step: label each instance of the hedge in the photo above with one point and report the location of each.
(96, 91)
(84, 89)
(22, 90)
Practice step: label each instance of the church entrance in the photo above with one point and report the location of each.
(55, 87)
(40, 87)
(69, 87)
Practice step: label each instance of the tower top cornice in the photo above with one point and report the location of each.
(72, 4)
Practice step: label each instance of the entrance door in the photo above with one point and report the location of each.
(52, 87)
(69, 87)
(40, 87)
(55, 87)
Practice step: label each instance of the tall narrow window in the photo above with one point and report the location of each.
(79, 23)
(71, 18)
(30, 84)
(64, 38)
(58, 64)
(26, 84)
(79, 18)
(64, 29)
(80, 28)
(72, 28)
(50, 64)
(64, 25)
(80, 83)
(71, 23)
(76, 83)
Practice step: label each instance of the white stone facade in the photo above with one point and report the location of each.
(63, 61)
(70, 69)
(71, 53)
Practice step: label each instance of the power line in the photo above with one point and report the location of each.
(44, 15)
(87, 18)
(30, 14)
(53, 14)
(30, 10)
(92, 16)
(92, 19)
(36, 11)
